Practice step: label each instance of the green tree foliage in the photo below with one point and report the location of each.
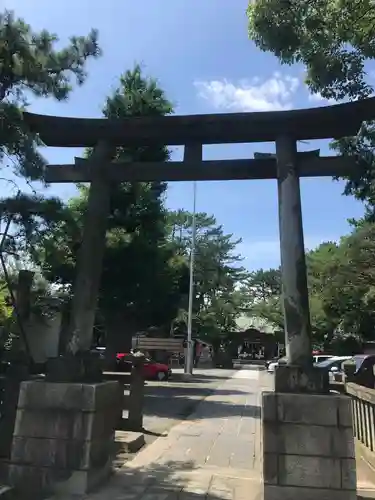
(334, 40)
(261, 296)
(141, 279)
(30, 66)
(361, 182)
(341, 282)
(263, 284)
(217, 271)
(349, 295)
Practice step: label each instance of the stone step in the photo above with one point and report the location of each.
(7, 493)
(129, 442)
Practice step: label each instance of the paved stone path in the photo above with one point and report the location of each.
(215, 454)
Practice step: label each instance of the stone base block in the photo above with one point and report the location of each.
(64, 436)
(38, 480)
(308, 447)
(307, 379)
(295, 493)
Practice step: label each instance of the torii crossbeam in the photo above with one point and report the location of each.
(287, 166)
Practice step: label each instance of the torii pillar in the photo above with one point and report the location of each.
(91, 252)
(77, 363)
(308, 443)
(295, 298)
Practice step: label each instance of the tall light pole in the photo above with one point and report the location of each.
(189, 357)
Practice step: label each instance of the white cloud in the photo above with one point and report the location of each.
(274, 94)
(320, 99)
(266, 254)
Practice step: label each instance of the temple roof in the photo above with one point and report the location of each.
(244, 323)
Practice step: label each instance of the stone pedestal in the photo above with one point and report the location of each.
(63, 437)
(308, 447)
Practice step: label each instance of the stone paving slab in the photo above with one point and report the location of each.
(212, 455)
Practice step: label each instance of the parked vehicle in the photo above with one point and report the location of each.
(269, 361)
(151, 369)
(321, 357)
(364, 370)
(99, 353)
(333, 366)
(271, 367)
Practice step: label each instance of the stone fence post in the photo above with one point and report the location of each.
(136, 396)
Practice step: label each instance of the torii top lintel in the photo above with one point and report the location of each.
(326, 122)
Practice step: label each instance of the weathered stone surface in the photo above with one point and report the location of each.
(312, 409)
(312, 440)
(345, 418)
(348, 473)
(270, 468)
(33, 480)
(272, 492)
(307, 444)
(83, 368)
(63, 448)
(66, 454)
(269, 406)
(293, 264)
(312, 472)
(83, 397)
(301, 379)
(64, 424)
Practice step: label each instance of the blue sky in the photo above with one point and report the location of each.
(202, 57)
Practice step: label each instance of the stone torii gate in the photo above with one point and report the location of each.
(300, 401)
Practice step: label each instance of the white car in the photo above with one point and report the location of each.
(316, 359)
(321, 357)
(272, 366)
(333, 366)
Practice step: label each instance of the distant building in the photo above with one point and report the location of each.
(257, 337)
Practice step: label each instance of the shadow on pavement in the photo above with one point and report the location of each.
(189, 391)
(154, 434)
(175, 480)
(182, 407)
(216, 409)
(199, 377)
(178, 401)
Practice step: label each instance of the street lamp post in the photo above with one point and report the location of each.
(189, 357)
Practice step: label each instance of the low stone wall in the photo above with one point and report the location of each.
(308, 447)
(63, 437)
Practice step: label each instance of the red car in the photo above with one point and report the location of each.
(151, 369)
